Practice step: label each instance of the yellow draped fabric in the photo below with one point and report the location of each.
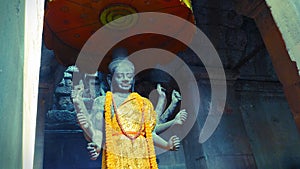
(136, 116)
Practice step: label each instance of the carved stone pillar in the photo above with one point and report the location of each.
(275, 42)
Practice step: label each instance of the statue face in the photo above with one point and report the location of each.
(123, 78)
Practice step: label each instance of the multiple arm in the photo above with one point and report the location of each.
(173, 143)
(97, 125)
(81, 111)
(162, 123)
(160, 103)
(178, 120)
(176, 97)
(91, 124)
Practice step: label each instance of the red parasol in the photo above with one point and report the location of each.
(70, 23)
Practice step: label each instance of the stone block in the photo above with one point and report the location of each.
(232, 19)
(236, 39)
(271, 130)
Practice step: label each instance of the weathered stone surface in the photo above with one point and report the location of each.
(232, 19)
(274, 40)
(215, 16)
(236, 39)
(51, 71)
(229, 146)
(60, 116)
(271, 130)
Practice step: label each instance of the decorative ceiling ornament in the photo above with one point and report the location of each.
(70, 23)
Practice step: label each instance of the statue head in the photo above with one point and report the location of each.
(121, 77)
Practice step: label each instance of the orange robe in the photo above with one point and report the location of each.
(123, 152)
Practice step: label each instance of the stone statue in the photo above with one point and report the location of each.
(64, 111)
(126, 119)
(63, 108)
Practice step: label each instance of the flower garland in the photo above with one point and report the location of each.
(150, 144)
(108, 132)
(121, 126)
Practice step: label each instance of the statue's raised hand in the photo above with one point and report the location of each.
(94, 150)
(176, 97)
(77, 92)
(76, 95)
(174, 143)
(180, 117)
(161, 91)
